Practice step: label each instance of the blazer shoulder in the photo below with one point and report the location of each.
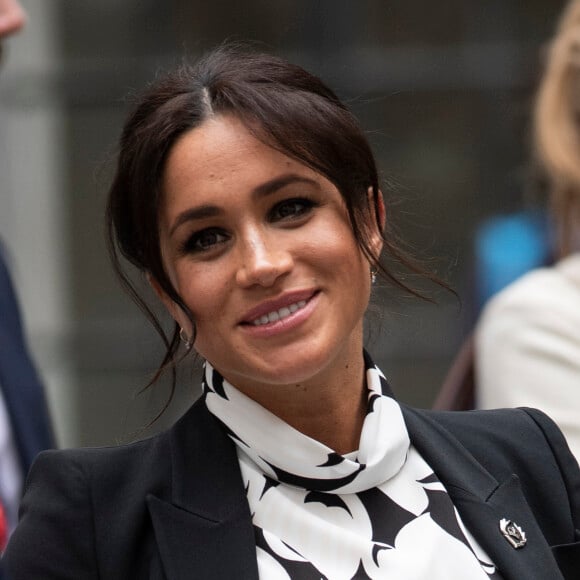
(507, 434)
(145, 463)
(76, 500)
(520, 441)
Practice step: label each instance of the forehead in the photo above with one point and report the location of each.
(222, 158)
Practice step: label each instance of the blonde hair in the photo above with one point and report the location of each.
(557, 126)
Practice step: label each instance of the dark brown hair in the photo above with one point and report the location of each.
(284, 106)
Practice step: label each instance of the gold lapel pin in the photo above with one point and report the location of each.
(513, 533)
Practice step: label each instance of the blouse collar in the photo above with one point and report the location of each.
(288, 456)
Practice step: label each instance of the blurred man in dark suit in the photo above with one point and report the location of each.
(24, 422)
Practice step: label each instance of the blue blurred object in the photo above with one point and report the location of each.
(506, 247)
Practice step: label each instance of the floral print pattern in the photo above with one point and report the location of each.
(379, 512)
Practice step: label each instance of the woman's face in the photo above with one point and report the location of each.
(261, 250)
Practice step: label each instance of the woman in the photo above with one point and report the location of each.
(528, 340)
(248, 195)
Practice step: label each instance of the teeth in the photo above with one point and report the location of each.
(276, 315)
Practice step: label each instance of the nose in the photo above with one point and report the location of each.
(263, 260)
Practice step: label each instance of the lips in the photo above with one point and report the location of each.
(274, 310)
(280, 314)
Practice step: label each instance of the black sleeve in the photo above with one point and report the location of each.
(566, 462)
(55, 536)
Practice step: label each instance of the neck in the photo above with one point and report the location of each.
(335, 423)
(330, 408)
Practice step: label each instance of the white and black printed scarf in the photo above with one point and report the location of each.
(379, 512)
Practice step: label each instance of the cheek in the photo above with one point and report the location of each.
(350, 265)
(203, 290)
(339, 248)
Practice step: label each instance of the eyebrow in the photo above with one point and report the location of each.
(262, 190)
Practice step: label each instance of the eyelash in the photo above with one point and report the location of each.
(307, 205)
(192, 244)
(299, 207)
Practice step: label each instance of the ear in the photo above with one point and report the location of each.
(174, 309)
(379, 215)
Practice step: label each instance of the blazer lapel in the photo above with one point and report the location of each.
(482, 501)
(204, 530)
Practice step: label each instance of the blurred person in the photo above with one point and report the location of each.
(12, 17)
(527, 342)
(24, 423)
(248, 195)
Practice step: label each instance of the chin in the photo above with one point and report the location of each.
(292, 367)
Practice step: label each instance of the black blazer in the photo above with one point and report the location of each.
(173, 507)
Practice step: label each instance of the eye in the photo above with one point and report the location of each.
(291, 209)
(204, 241)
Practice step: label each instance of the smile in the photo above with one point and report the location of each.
(279, 314)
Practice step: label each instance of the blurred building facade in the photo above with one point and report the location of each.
(443, 90)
